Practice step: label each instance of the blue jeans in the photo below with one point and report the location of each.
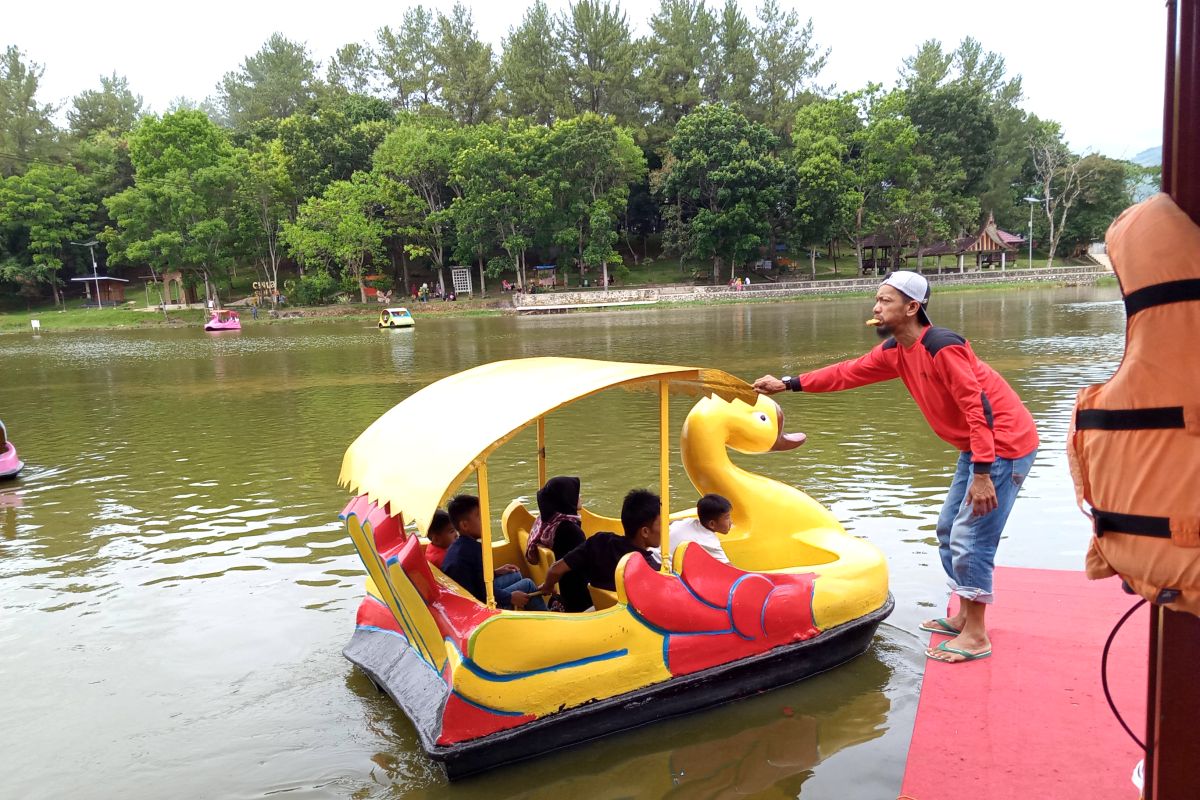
(966, 542)
(505, 585)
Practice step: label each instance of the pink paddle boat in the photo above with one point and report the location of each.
(223, 320)
(10, 465)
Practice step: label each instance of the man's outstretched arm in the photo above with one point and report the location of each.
(871, 367)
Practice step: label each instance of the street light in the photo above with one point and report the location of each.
(91, 246)
(1031, 201)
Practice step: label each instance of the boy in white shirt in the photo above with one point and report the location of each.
(713, 516)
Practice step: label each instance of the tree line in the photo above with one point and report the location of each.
(577, 142)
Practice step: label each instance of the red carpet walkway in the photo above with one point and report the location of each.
(1031, 720)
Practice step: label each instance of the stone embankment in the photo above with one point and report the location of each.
(598, 298)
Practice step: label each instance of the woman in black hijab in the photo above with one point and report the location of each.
(557, 528)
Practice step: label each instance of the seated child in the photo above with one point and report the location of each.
(441, 535)
(597, 558)
(464, 561)
(713, 516)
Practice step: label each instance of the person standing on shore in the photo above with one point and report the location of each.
(971, 407)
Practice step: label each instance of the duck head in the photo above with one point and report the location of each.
(757, 428)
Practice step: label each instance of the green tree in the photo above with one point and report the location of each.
(267, 197)
(421, 155)
(679, 45)
(601, 59)
(114, 108)
(725, 177)
(928, 68)
(502, 188)
(274, 83)
(26, 129)
(1107, 192)
(956, 129)
(180, 212)
(946, 90)
(41, 212)
(789, 63)
(881, 146)
(533, 69)
(331, 143)
(825, 198)
(466, 72)
(341, 228)
(406, 59)
(352, 69)
(591, 162)
(734, 71)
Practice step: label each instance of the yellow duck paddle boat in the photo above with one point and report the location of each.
(484, 686)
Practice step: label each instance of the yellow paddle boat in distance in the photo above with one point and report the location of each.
(485, 686)
(396, 318)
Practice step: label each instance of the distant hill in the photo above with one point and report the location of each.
(1149, 158)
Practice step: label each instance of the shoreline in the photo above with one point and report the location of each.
(83, 320)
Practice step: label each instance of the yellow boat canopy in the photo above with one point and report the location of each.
(403, 460)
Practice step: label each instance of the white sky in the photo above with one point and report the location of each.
(1095, 67)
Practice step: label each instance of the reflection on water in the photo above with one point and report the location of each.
(171, 562)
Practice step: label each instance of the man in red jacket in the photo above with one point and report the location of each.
(970, 406)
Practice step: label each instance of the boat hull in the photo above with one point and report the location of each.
(10, 464)
(421, 693)
(222, 326)
(406, 324)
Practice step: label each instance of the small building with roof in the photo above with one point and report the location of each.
(881, 248)
(103, 289)
(989, 246)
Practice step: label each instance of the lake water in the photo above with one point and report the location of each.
(175, 588)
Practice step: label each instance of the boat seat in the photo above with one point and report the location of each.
(602, 598)
(594, 523)
(517, 522)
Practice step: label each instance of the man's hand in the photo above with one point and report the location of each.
(519, 600)
(506, 569)
(769, 384)
(982, 494)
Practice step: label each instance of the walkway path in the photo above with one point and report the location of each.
(675, 293)
(1031, 721)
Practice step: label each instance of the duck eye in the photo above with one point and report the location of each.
(762, 417)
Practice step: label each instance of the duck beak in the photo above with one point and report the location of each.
(786, 441)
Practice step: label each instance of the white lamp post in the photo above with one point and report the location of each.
(91, 246)
(1031, 201)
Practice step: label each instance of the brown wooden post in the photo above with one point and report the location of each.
(1173, 748)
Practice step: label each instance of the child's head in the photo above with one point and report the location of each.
(640, 518)
(464, 514)
(715, 513)
(441, 530)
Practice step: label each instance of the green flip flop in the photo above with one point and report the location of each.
(941, 625)
(966, 654)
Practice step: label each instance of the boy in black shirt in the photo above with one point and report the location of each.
(464, 562)
(597, 558)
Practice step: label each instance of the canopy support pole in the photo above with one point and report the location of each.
(541, 448)
(485, 516)
(1173, 699)
(664, 471)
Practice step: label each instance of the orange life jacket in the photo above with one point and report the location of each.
(1134, 444)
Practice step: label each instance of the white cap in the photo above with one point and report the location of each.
(913, 285)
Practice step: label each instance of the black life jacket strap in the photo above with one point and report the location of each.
(1129, 419)
(1162, 293)
(1137, 524)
